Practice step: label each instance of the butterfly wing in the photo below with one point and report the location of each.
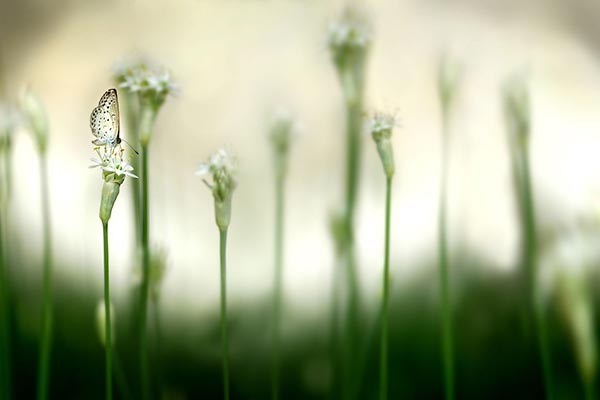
(104, 120)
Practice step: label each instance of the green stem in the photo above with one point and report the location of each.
(334, 332)
(107, 325)
(530, 255)
(383, 382)
(5, 346)
(144, 373)
(224, 340)
(277, 290)
(353, 128)
(46, 339)
(158, 344)
(447, 334)
(132, 112)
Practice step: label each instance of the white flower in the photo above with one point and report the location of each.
(381, 125)
(349, 39)
(146, 79)
(222, 167)
(221, 161)
(112, 163)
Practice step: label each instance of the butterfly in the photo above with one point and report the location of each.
(104, 120)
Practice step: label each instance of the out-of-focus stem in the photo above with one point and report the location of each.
(46, 335)
(383, 382)
(224, 336)
(143, 317)
(278, 289)
(443, 264)
(5, 341)
(107, 326)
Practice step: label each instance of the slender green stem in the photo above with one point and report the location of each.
(158, 344)
(107, 326)
(353, 127)
(143, 317)
(46, 339)
(529, 261)
(5, 346)
(224, 340)
(132, 112)
(277, 289)
(443, 264)
(334, 332)
(383, 382)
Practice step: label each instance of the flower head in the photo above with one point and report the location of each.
(34, 114)
(349, 37)
(381, 127)
(153, 84)
(112, 163)
(222, 168)
(9, 120)
(448, 78)
(281, 133)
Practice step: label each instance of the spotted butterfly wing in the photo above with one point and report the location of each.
(104, 120)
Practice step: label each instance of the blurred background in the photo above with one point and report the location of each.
(234, 62)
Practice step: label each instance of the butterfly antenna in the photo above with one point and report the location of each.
(131, 147)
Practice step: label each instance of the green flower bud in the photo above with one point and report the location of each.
(448, 78)
(349, 40)
(380, 128)
(34, 114)
(282, 129)
(110, 191)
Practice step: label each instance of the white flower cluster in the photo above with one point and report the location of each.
(222, 167)
(112, 163)
(150, 82)
(381, 125)
(350, 33)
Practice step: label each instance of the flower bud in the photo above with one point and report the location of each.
(110, 191)
(349, 40)
(282, 129)
(380, 128)
(34, 114)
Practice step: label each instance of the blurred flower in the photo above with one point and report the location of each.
(381, 127)
(282, 130)
(9, 120)
(101, 322)
(151, 83)
(34, 114)
(448, 78)
(349, 39)
(222, 167)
